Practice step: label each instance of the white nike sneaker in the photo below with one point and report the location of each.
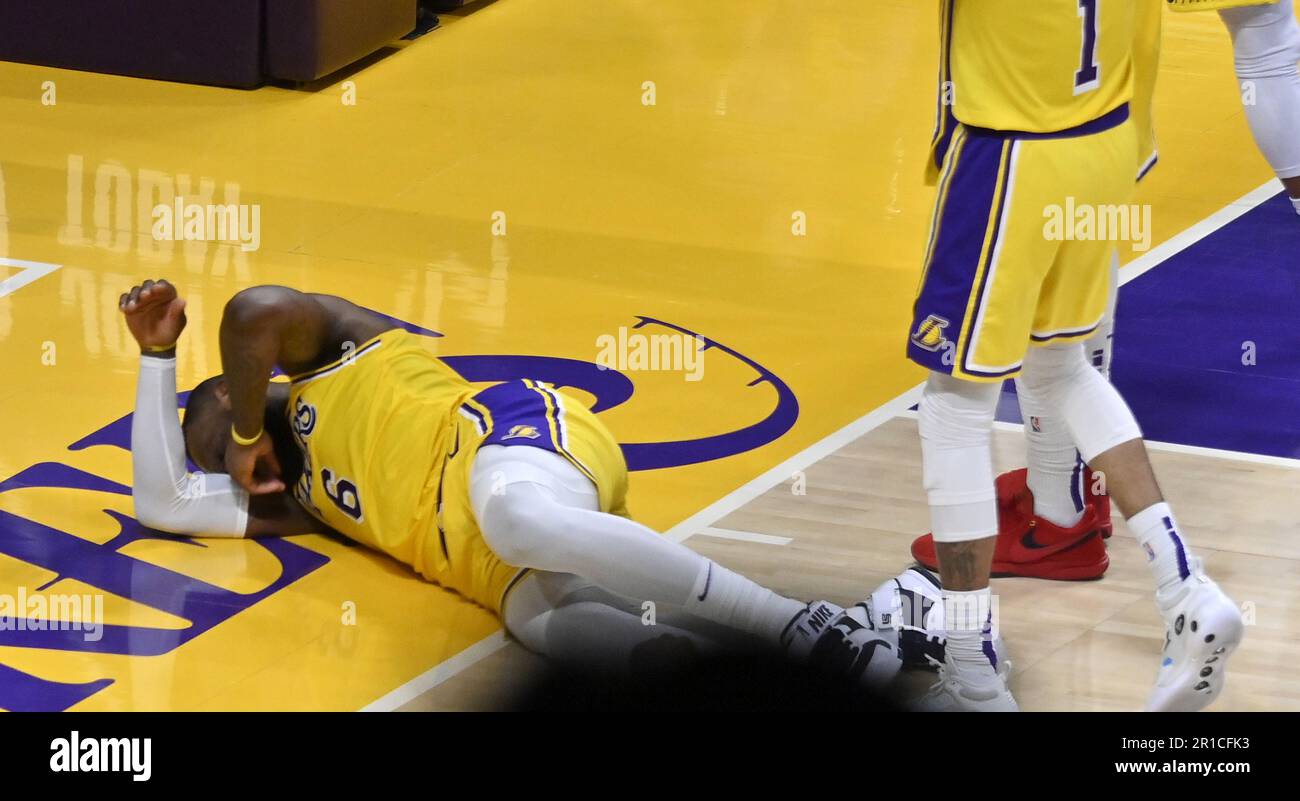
(912, 605)
(1202, 629)
(969, 689)
(843, 643)
(805, 628)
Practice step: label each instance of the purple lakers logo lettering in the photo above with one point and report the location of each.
(930, 333)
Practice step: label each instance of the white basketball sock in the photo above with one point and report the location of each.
(1055, 467)
(734, 601)
(1168, 556)
(968, 629)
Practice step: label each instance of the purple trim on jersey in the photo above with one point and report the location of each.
(1150, 165)
(478, 417)
(1111, 119)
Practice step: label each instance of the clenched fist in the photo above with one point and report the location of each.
(155, 314)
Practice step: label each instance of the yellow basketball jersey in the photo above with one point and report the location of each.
(1146, 65)
(1042, 66)
(375, 429)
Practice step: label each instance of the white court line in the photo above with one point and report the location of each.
(743, 495)
(743, 536)
(441, 672)
(801, 461)
(1172, 447)
(31, 270)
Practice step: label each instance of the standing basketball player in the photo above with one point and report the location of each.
(1266, 46)
(1038, 117)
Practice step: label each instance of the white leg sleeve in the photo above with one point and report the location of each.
(956, 424)
(536, 510)
(1266, 41)
(1065, 383)
(570, 620)
(1055, 467)
(167, 496)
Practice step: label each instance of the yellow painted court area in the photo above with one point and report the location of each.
(770, 198)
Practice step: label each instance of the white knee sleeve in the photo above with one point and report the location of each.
(1062, 379)
(956, 423)
(1266, 42)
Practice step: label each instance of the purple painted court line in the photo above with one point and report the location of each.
(1186, 329)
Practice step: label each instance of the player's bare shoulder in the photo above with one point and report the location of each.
(353, 323)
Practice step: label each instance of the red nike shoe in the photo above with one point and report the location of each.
(1036, 548)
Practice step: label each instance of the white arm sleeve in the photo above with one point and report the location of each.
(167, 497)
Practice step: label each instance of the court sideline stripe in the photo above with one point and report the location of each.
(31, 270)
(1173, 447)
(751, 490)
(743, 536)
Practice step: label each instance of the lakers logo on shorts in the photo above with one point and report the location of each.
(929, 334)
(522, 432)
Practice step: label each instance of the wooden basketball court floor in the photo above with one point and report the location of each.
(535, 115)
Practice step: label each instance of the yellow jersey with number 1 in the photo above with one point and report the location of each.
(1041, 66)
(1044, 66)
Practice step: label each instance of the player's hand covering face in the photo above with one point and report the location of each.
(255, 467)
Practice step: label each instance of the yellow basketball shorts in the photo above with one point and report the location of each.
(523, 413)
(1020, 244)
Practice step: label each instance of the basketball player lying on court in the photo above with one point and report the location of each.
(513, 496)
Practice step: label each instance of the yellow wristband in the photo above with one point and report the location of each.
(245, 441)
(158, 348)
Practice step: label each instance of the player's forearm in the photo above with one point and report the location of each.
(250, 343)
(261, 328)
(168, 497)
